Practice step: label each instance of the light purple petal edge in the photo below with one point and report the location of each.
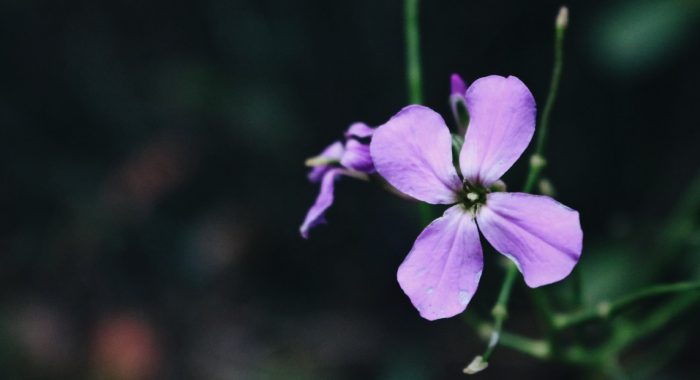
(332, 152)
(542, 236)
(412, 151)
(441, 273)
(357, 157)
(359, 130)
(501, 124)
(324, 200)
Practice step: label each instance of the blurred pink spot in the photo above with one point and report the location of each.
(125, 348)
(151, 173)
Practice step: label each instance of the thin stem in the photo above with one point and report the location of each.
(537, 162)
(544, 310)
(533, 347)
(609, 309)
(554, 86)
(413, 65)
(500, 311)
(414, 79)
(680, 226)
(577, 291)
(660, 318)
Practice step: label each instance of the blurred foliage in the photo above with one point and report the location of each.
(152, 181)
(631, 37)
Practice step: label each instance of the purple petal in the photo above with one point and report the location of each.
(442, 271)
(502, 122)
(324, 200)
(332, 152)
(457, 85)
(542, 236)
(412, 151)
(357, 157)
(359, 130)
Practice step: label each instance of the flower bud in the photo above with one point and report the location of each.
(477, 365)
(563, 18)
(546, 187)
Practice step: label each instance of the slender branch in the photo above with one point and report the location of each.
(545, 313)
(680, 225)
(577, 291)
(413, 65)
(500, 311)
(414, 78)
(533, 347)
(610, 309)
(537, 162)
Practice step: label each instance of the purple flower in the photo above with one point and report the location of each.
(412, 151)
(351, 159)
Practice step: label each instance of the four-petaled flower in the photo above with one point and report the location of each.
(412, 151)
(351, 159)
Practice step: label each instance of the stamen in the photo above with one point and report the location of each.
(472, 196)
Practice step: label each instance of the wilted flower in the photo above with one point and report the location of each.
(351, 159)
(412, 151)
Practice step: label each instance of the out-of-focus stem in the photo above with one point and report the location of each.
(414, 77)
(413, 65)
(537, 162)
(500, 310)
(609, 309)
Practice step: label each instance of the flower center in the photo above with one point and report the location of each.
(473, 197)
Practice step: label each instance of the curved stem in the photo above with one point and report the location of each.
(500, 311)
(537, 161)
(609, 309)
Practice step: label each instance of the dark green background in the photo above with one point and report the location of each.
(151, 170)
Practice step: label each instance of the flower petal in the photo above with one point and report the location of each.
(413, 152)
(332, 152)
(359, 130)
(457, 85)
(324, 200)
(542, 236)
(356, 156)
(502, 122)
(442, 271)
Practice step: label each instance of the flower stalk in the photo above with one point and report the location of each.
(414, 77)
(606, 310)
(413, 64)
(537, 163)
(500, 310)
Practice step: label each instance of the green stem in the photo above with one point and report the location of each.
(533, 347)
(680, 226)
(413, 66)
(660, 318)
(500, 311)
(414, 79)
(609, 309)
(577, 291)
(545, 313)
(537, 162)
